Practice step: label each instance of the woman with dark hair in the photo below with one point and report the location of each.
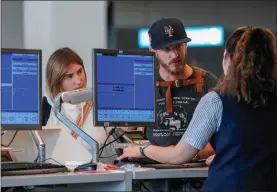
(238, 118)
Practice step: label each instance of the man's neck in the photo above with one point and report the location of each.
(165, 75)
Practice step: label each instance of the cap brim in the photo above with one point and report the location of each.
(185, 40)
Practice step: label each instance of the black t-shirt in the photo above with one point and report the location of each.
(171, 126)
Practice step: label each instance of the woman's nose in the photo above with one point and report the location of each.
(77, 80)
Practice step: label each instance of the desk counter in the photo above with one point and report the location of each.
(115, 181)
(171, 173)
(102, 181)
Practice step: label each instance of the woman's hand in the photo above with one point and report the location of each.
(179, 154)
(209, 160)
(133, 151)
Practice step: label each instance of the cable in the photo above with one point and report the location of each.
(142, 185)
(109, 156)
(52, 160)
(35, 161)
(102, 148)
(37, 158)
(3, 132)
(10, 141)
(113, 140)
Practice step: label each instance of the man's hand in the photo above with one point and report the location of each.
(130, 152)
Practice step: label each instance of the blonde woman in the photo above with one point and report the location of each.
(65, 72)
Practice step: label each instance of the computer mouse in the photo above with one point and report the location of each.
(86, 167)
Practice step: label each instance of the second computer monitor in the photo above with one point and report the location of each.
(124, 88)
(20, 89)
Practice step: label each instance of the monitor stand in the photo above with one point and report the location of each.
(83, 135)
(40, 146)
(86, 167)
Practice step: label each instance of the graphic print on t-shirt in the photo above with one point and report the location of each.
(170, 127)
(175, 123)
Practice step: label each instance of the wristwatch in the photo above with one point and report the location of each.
(196, 157)
(144, 146)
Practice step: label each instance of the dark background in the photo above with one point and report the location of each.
(126, 17)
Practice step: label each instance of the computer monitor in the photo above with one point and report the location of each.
(20, 89)
(124, 88)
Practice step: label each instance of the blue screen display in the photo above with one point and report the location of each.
(19, 88)
(125, 88)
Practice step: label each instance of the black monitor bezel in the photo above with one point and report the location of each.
(96, 122)
(27, 126)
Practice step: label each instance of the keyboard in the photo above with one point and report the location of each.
(29, 168)
(140, 161)
(147, 161)
(171, 166)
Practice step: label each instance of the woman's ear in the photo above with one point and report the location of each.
(225, 62)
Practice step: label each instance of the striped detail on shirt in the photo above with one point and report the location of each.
(205, 121)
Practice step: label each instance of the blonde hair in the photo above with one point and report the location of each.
(56, 69)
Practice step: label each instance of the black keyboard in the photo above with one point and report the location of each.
(28, 168)
(140, 161)
(148, 161)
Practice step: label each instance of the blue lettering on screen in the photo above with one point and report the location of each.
(20, 88)
(125, 85)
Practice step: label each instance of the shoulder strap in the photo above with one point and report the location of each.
(46, 109)
(80, 121)
(199, 80)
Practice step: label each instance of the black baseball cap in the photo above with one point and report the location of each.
(167, 32)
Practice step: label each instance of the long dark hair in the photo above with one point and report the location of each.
(251, 74)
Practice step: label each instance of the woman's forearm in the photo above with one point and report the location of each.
(178, 154)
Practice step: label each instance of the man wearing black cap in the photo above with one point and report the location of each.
(179, 85)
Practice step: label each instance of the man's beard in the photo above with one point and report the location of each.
(177, 69)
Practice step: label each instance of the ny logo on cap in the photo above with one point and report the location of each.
(168, 30)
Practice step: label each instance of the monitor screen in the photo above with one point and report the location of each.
(20, 89)
(124, 88)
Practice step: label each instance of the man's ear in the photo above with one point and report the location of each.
(186, 46)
